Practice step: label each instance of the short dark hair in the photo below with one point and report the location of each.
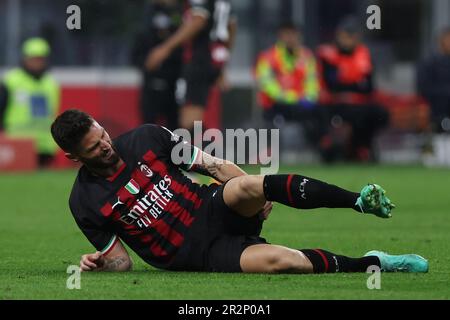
(69, 128)
(350, 25)
(289, 25)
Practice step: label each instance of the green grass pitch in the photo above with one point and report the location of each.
(39, 240)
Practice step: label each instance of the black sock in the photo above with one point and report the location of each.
(306, 193)
(327, 262)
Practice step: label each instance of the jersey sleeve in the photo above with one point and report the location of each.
(200, 7)
(180, 152)
(98, 235)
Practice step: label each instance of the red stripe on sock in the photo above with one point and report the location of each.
(288, 187)
(323, 258)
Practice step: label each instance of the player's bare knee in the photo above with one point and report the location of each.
(275, 261)
(249, 186)
(287, 261)
(283, 263)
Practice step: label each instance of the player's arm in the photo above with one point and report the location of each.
(221, 170)
(111, 255)
(187, 31)
(232, 30)
(115, 260)
(222, 81)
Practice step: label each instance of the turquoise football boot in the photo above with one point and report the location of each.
(373, 200)
(400, 263)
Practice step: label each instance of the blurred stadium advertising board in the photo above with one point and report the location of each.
(441, 155)
(17, 154)
(112, 96)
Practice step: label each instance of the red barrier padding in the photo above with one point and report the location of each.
(17, 154)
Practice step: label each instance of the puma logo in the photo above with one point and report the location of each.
(118, 203)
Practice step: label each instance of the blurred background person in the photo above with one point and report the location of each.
(158, 102)
(433, 83)
(210, 27)
(29, 100)
(93, 64)
(347, 72)
(289, 85)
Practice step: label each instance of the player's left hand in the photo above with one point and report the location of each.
(156, 57)
(265, 212)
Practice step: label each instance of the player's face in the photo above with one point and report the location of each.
(96, 149)
(35, 64)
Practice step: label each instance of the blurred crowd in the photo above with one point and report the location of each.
(329, 92)
(182, 53)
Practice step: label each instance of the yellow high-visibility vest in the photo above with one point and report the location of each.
(32, 107)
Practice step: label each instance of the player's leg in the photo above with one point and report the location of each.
(234, 223)
(172, 112)
(266, 258)
(196, 94)
(148, 113)
(247, 194)
(189, 114)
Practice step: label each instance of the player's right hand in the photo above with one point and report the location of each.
(92, 262)
(156, 57)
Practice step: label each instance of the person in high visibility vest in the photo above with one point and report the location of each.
(347, 71)
(29, 100)
(289, 84)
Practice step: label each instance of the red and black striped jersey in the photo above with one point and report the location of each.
(218, 14)
(149, 203)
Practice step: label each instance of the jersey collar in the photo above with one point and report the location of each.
(117, 173)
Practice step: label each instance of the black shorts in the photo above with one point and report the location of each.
(199, 80)
(159, 106)
(217, 238)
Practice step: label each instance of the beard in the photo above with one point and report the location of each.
(103, 162)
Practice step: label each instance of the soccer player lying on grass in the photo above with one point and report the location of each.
(130, 189)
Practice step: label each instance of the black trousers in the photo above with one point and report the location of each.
(440, 109)
(365, 121)
(314, 120)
